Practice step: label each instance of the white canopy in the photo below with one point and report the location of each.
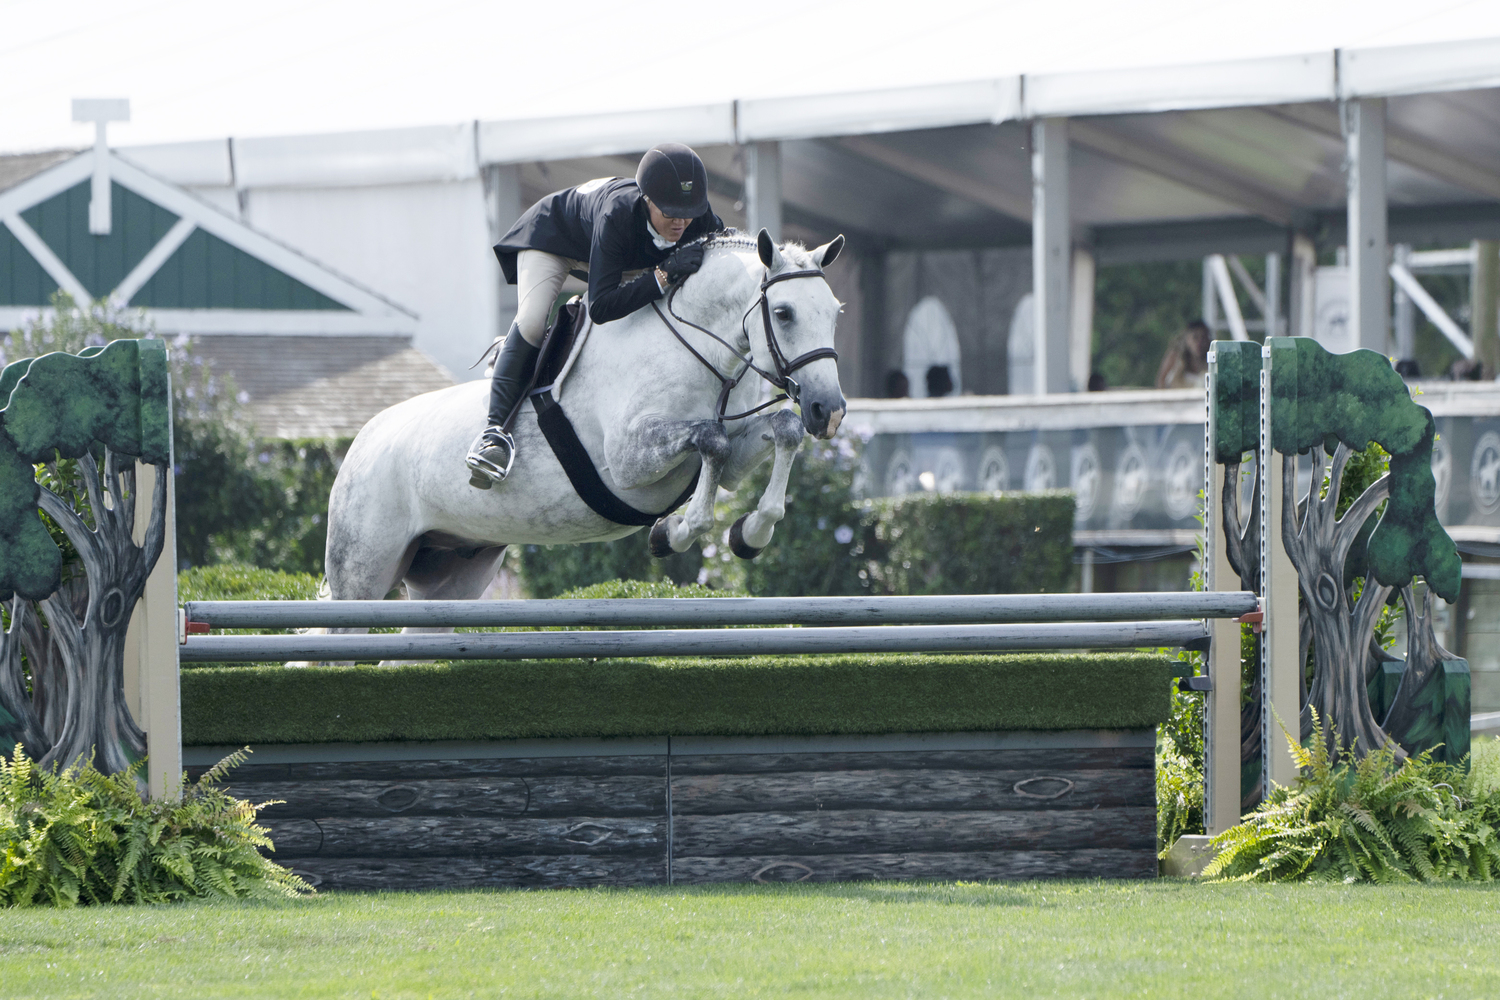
(601, 77)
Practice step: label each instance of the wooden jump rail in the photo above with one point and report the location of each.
(940, 624)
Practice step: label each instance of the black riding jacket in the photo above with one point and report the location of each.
(602, 222)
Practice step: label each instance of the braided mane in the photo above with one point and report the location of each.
(795, 253)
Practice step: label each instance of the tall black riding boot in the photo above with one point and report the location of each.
(493, 452)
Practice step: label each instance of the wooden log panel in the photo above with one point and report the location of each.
(515, 872)
(427, 836)
(1098, 758)
(910, 790)
(871, 831)
(434, 796)
(562, 821)
(975, 865)
(555, 795)
(419, 770)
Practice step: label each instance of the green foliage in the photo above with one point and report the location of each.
(238, 582)
(819, 548)
(1180, 751)
(1484, 768)
(1369, 820)
(796, 695)
(549, 570)
(552, 570)
(1179, 785)
(282, 520)
(1138, 309)
(974, 543)
(616, 589)
(81, 837)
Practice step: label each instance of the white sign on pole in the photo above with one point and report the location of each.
(1331, 309)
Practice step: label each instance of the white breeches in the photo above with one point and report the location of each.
(539, 278)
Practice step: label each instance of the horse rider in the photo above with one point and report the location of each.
(607, 227)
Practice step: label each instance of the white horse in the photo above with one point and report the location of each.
(645, 409)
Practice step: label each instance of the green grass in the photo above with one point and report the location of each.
(866, 940)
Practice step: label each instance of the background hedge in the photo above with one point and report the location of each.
(974, 543)
(834, 542)
(752, 696)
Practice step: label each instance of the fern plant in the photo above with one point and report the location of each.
(1365, 820)
(81, 837)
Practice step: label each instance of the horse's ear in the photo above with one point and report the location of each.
(829, 252)
(767, 248)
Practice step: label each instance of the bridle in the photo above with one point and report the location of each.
(780, 375)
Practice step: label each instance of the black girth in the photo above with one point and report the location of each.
(562, 436)
(575, 461)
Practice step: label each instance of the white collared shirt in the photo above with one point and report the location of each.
(662, 243)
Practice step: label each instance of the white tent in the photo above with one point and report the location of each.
(305, 67)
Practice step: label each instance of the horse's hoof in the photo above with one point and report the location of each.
(660, 544)
(737, 543)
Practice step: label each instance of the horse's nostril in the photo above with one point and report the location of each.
(819, 412)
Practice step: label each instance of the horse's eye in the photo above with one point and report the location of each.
(783, 313)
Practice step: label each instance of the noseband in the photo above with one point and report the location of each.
(780, 374)
(782, 377)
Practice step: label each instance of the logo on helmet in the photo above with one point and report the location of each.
(687, 187)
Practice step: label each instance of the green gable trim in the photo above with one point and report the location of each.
(22, 280)
(100, 263)
(208, 273)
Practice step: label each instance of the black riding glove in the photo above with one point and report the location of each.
(682, 262)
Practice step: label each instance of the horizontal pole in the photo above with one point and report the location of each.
(936, 610)
(689, 642)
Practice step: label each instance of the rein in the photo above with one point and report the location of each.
(782, 369)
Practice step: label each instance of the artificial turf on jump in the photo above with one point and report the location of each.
(1073, 939)
(783, 695)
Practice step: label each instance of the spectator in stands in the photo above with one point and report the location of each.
(897, 385)
(1186, 360)
(939, 381)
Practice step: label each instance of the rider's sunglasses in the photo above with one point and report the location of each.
(664, 215)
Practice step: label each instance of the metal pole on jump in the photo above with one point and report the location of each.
(1221, 763)
(981, 609)
(693, 642)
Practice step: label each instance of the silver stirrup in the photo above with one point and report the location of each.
(484, 459)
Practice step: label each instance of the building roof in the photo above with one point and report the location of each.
(318, 386)
(18, 167)
(189, 266)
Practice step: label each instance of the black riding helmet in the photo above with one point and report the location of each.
(672, 176)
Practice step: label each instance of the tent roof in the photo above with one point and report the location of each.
(538, 81)
(1197, 125)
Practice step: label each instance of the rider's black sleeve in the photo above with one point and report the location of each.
(609, 300)
(615, 244)
(612, 246)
